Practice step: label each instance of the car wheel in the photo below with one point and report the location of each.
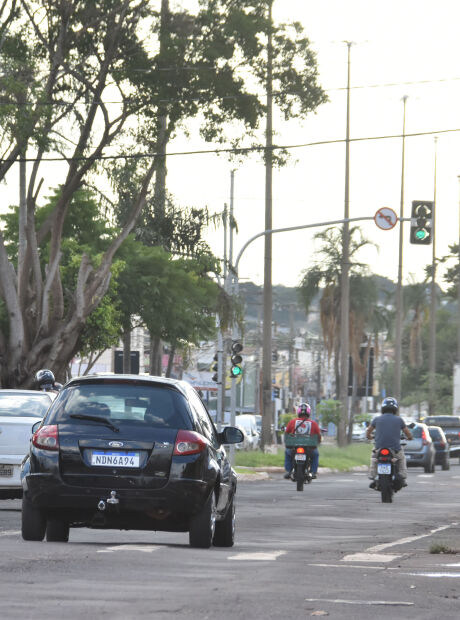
(446, 464)
(224, 535)
(57, 530)
(33, 521)
(203, 525)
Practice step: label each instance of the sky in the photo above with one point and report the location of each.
(400, 48)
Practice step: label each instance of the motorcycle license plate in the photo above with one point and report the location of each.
(384, 468)
(300, 457)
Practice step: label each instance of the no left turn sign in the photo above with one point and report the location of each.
(385, 218)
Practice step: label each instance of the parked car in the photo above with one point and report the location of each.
(249, 423)
(441, 446)
(19, 410)
(129, 452)
(358, 432)
(450, 424)
(420, 451)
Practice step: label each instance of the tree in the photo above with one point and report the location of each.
(324, 278)
(78, 79)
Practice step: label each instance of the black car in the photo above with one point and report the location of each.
(129, 452)
(450, 424)
(441, 446)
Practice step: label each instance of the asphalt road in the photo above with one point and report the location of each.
(334, 550)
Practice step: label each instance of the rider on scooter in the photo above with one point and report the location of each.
(302, 425)
(388, 427)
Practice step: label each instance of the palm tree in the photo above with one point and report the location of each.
(324, 278)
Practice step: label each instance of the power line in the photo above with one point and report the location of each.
(224, 97)
(234, 150)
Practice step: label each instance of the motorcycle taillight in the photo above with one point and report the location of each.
(300, 450)
(384, 452)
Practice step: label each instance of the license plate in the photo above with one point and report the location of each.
(115, 459)
(384, 468)
(300, 457)
(6, 471)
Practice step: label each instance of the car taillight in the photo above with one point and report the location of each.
(189, 442)
(46, 438)
(425, 441)
(300, 450)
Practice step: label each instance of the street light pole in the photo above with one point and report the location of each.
(399, 291)
(267, 413)
(344, 280)
(432, 348)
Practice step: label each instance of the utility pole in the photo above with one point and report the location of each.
(345, 282)
(267, 412)
(399, 291)
(233, 294)
(432, 347)
(458, 286)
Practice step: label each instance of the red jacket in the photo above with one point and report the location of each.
(303, 426)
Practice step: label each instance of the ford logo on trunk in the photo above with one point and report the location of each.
(116, 444)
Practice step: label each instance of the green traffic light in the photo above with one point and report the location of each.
(421, 234)
(236, 371)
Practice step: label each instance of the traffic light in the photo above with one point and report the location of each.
(215, 368)
(421, 224)
(236, 359)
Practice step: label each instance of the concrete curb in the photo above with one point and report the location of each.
(263, 473)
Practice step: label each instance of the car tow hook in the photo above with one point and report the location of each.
(112, 499)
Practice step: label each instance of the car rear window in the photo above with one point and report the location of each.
(24, 405)
(123, 403)
(435, 433)
(444, 421)
(417, 432)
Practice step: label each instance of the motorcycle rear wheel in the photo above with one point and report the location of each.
(299, 476)
(386, 490)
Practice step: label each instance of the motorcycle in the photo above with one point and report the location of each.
(388, 480)
(301, 450)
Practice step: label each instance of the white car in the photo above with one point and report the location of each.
(249, 423)
(19, 410)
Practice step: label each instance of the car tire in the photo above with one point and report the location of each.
(33, 525)
(203, 525)
(224, 535)
(57, 530)
(446, 464)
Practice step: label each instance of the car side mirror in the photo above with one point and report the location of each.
(231, 434)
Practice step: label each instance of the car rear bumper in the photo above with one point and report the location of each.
(10, 471)
(418, 459)
(182, 498)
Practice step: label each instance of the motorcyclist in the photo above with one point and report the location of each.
(388, 427)
(302, 425)
(46, 382)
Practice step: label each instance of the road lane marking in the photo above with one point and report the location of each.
(370, 557)
(144, 548)
(341, 566)
(350, 602)
(403, 541)
(435, 575)
(10, 533)
(258, 556)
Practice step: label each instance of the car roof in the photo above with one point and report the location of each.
(182, 386)
(24, 392)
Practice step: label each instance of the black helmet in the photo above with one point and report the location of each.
(45, 379)
(390, 405)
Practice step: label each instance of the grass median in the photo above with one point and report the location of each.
(330, 455)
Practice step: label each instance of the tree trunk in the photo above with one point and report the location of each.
(172, 352)
(156, 349)
(127, 351)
